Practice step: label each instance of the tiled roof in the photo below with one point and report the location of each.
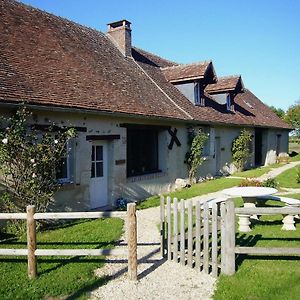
(229, 83)
(186, 71)
(260, 115)
(47, 60)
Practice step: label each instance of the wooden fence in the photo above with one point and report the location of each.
(32, 252)
(203, 237)
(192, 236)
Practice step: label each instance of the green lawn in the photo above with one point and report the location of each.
(195, 190)
(295, 158)
(253, 173)
(68, 277)
(263, 277)
(288, 178)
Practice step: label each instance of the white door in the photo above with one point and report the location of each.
(98, 182)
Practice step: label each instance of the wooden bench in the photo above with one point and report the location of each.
(288, 220)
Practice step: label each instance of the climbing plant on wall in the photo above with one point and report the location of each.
(241, 149)
(194, 158)
(28, 162)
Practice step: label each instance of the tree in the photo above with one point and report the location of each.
(293, 117)
(241, 149)
(278, 111)
(28, 162)
(194, 157)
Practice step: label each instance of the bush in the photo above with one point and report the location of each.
(298, 176)
(250, 182)
(241, 149)
(271, 182)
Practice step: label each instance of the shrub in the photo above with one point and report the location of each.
(194, 157)
(298, 175)
(271, 182)
(28, 162)
(250, 182)
(241, 149)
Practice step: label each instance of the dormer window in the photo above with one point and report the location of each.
(197, 93)
(228, 102)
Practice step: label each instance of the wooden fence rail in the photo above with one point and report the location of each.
(32, 252)
(203, 237)
(231, 250)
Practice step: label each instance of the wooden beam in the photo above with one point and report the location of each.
(55, 128)
(80, 215)
(105, 137)
(284, 251)
(144, 126)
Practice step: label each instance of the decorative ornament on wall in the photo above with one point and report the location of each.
(174, 138)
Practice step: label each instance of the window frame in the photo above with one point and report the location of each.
(69, 160)
(132, 162)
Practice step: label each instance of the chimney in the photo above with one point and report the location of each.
(120, 32)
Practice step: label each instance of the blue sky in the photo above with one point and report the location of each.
(258, 39)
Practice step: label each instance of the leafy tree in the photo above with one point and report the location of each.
(194, 157)
(241, 149)
(28, 162)
(278, 111)
(293, 117)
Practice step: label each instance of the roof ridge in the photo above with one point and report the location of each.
(153, 54)
(230, 76)
(188, 64)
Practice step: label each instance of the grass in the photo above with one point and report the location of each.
(69, 277)
(253, 173)
(195, 190)
(263, 277)
(295, 158)
(289, 178)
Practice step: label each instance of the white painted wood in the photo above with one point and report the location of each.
(198, 235)
(230, 238)
(14, 252)
(80, 252)
(175, 228)
(182, 232)
(223, 238)
(206, 238)
(99, 182)
(80, 215)
(190, 234)
(287, 210)
(162, 226)
(268, 251)
(169, 228)
(214, 237)
(13, 216)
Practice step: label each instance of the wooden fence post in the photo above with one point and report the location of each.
(229, 266)
(31, 242)
(162, 226)
(169, 221)
(132, 241)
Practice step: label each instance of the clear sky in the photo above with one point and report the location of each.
(259, 39)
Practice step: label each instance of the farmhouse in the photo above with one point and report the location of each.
(133, 111)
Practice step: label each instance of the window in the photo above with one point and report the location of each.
(142, 151)
(197, 93)
(228, 102)
(65, 171)
(97, 161)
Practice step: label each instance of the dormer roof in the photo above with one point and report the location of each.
(232, 83)
(187, 72)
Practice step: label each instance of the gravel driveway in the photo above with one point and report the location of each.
(157, 278)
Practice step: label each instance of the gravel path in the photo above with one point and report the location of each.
(158, 278)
